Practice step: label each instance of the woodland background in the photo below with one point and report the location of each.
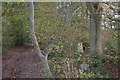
(59, 27)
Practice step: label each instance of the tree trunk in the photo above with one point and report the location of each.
(95, 35)
(95, 39)
(45, 68)
(43, 58)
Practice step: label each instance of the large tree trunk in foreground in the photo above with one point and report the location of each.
(46, 70)
(95, 29)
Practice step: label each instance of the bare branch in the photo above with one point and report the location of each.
(117, 19)
(108, 4)
(59, 33)
(69, 9)
(90, 7)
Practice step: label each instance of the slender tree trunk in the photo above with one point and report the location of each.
(45, 68)
(43, 58)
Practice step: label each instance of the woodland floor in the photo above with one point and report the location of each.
(21, 63)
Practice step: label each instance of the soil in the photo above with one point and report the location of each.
(21, 62)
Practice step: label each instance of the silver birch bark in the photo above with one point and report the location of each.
(44, 62)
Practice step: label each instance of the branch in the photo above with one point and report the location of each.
(58, 35)
(118, 20)
(110, 6)
(69, 9)
(53, 41)
(50, 45)
(90, 7)
(4, 12)
(113, 19)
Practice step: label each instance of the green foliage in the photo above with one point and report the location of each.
(97, 62)
(63, 56)
(112, 43)
(85, 75)
(112, 49)
(5, 51)
(99, 74)
(15, 30)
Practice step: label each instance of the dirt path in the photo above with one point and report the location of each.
(21, 62)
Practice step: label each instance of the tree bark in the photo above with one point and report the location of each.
(95, 39)
(45, 68)
(43, 58)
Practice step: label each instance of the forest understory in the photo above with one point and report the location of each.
(70, 39)
(21, 62)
